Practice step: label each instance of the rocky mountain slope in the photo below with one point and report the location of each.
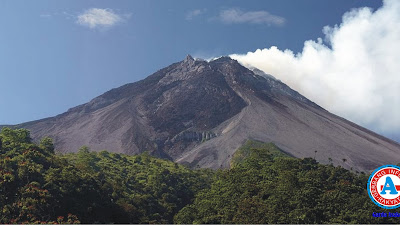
(199, 113)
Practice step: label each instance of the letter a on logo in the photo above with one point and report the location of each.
(389, 186)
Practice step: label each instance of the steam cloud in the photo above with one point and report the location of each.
(354, 72)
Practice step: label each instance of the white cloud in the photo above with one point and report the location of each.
(99, 18)
(45, 15)
(68, 15)
(231, 16)
(194, 13)
(357, 76)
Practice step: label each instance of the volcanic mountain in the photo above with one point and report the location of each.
(199, 113)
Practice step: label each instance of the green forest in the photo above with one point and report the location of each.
(263, 185)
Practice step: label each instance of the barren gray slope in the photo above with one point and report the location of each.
(166, 114)
(299, 130)
(199, 113)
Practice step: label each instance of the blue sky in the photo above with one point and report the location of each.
(55, 55)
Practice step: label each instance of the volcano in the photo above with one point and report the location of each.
(200, 112)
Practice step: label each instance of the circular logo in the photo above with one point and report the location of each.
(384, 187)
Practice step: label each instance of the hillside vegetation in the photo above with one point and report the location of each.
(251, 147)
(262, 186)
(39, 186)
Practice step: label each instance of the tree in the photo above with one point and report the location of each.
(47, 145)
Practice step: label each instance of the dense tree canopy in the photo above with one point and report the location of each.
(263, 185)
(37, 186)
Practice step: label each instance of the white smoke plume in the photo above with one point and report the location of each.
(354, 72)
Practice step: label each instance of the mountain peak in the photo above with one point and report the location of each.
(223, 59)
(199, 112)
(188, 58)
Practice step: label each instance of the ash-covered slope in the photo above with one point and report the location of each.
(199, 113)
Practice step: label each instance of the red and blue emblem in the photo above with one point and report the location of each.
(384, 186)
